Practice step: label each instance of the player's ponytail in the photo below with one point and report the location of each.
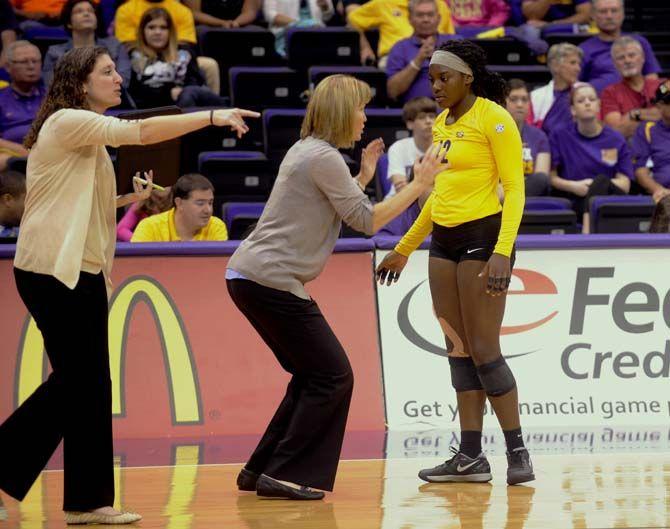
(486, 83)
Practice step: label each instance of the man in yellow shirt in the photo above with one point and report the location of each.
(189, 220)
(128, 16)
(391, 17)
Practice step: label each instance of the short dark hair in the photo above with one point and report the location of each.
(516, 84)
(12, 183)
(419, 105)
(187, 183)
(66, 16)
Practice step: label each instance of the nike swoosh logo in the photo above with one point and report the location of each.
(465, 467)
(475, 250)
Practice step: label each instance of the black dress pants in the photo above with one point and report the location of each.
(303, 441)
(75, 402)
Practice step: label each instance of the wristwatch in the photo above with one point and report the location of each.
(635, 114)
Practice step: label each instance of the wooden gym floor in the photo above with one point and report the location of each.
(580, 491)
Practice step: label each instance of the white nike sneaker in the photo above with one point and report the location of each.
(459, 468)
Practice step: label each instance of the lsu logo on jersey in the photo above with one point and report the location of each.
(609, 156)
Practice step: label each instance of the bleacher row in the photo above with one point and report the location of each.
(254, 76)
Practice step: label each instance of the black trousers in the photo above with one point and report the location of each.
(303, 441)
(74, 404)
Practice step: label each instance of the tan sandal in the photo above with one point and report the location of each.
(81, 518)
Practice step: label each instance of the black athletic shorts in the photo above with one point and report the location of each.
(470, 241)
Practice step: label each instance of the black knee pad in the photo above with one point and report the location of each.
(496, 377)
(464, 374)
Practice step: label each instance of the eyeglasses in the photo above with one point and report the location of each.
(26, 62)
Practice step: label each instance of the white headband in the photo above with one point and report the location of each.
(450, 60)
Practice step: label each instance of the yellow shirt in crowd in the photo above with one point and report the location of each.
(161, 228)
(484, 147)
(392, 19)
(128, 16)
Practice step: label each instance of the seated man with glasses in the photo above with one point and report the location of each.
(21, 100)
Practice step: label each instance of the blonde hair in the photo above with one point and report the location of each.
(331, 109)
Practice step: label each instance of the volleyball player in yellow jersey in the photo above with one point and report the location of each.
(472, 253)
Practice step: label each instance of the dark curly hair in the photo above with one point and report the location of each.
(67, 87)
(486, 84)
(66, 17)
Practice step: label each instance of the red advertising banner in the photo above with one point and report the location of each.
(185, 362)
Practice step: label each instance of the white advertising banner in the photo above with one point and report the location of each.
(586, 334)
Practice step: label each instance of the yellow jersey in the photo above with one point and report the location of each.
(483, 148)
(161, 228)
(391, 17)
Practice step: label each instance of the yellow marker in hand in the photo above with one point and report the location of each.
(144, 182)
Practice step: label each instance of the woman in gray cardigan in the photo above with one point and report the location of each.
(314, 192)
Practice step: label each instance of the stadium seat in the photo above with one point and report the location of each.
(621, 214)
(534, 75)
(238, 47)
(383, 123)
(324, 46)
(505, 51)
(547, 203)
(382, 183)
(548, 221)
(243, 177)
(218, 139)
(240, 216)
(281, 129)
(271, 87)
(572, 38)
(375, 77)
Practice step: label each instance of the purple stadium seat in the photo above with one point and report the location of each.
(256, 87)
(239, 216)
(242, 176)
(621, 214)
(375, 77)
(250, 46)
(548, 221)
(327, 46)
(382, 183)
(546, 203)
(281, 129)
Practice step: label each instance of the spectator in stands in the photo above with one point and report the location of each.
(35, 13)
(597, 66)
(12, 197)
(282, 15)
(83, 21)
(419, 115)
(651, 142)
(474, 16)
(158, 202)
(224, 13)
(539, 13)
(588, 158)
(391, 17)
(129, 15)
(550, 105)
(536, 150)
(407, 65)
(630, 100)
(8, 29)
(190, 218)
(164, 73)
(21, 100)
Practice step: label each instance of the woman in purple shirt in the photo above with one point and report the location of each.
(588, 158)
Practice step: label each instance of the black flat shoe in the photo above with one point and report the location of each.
(270, 488)
(246, 480)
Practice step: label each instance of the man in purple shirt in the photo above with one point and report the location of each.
(21, 100)
(652, 142)
(598, 67)
(407, 66)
